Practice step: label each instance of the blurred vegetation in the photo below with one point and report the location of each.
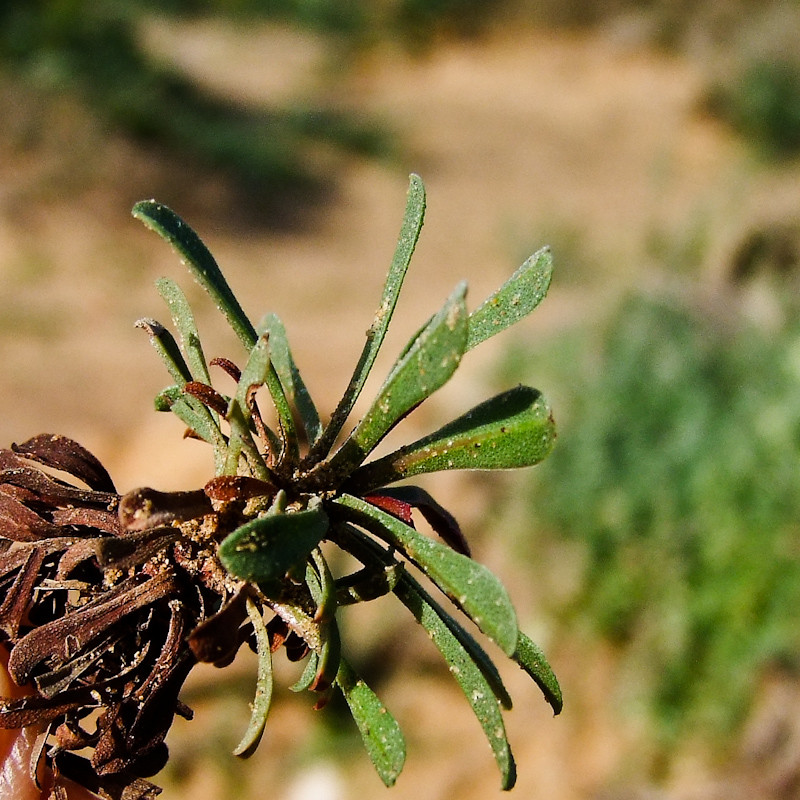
(763, 104)
(675, 477)
(90, 50)
(415, 23)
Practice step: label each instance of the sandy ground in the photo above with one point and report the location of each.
(521, 142)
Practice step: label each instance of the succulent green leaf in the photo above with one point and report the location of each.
(513, 429)
(298, 620)
(469, 584)
(470, 677)
(263, 697)
(530, 657)
(309, 673)
(167, 348)
(260, 370)
(329, 657)
(196, 417)
(409, 234)
(242, 445)
(291, 381)
(257, 371)
(426, 365)
(368, 584)
(188, 409)
(322, 585)
(263, 550)
(379, 730)
(411, 594)
(239, 416)
(323, 591)
(195, 255)
(381, 562)
(164, 400)
(514, 300)
(254, 374)
(183, 319)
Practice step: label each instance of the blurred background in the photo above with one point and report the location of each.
(654, 145)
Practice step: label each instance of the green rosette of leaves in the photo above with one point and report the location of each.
(285, 496)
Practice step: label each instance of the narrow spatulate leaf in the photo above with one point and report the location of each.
(382, 562)
(183, 319)
(241, 450)
(167, 348)
(309, 673)
(530, 657)
(329, 657)
(325, 598)
(195, 255)
(196, 417)
(426, 365)
(264, 549)
(254, 374)
(409, 233)
(321, 585)
(188, 409)
(473, 587)
(260, 370)
(514, 300)
(293, 385)
(239, 416)
(263, 696)
(513, 429)
(470, 678)
(382, 736)
(468, 662)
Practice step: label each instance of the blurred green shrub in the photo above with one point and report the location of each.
(763, 103)
(355, 23)
(676, 476)
(344, 17)
(90, 50)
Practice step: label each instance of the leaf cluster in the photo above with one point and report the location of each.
(301, 483)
